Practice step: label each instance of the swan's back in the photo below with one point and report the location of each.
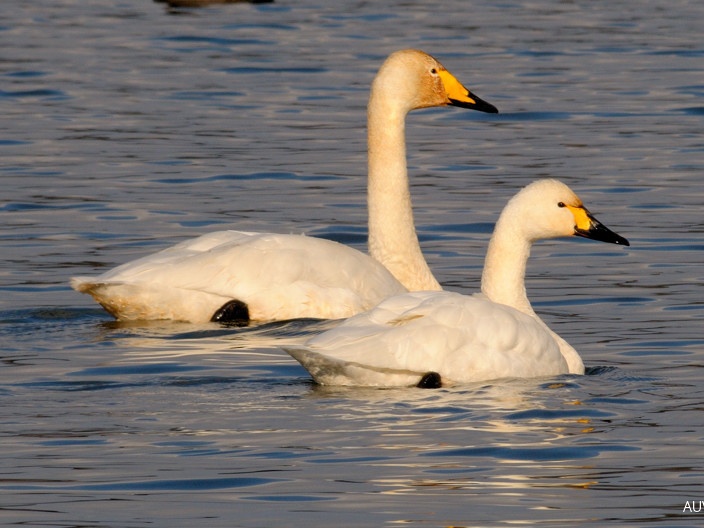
(192, 280)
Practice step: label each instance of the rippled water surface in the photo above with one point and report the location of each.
(128, 126)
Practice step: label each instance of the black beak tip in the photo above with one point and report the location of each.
(483, 106)
(615, 238)
(478, 104)
(602, 233)
(490, 109)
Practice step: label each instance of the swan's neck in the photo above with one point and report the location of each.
(503, 278)
(392, 235)
(503, 281)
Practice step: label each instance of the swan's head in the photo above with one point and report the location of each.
(550, 209)
(415, 80)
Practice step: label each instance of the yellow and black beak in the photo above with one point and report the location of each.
(589, 227)
(458, 95)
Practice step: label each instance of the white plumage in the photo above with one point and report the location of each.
(489, 335)
(277, 276)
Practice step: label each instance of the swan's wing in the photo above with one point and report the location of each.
(278, 276)
(463, 338)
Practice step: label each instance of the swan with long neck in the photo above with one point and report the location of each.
(392, 236)
(459, 338)
(238, 277)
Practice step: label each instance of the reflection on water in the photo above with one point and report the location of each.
(153, 414)
(130, 126)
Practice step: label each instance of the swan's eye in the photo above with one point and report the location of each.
(561, 204)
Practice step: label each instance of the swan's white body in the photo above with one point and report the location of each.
(490, 335)
(287, 276)
(192, 280)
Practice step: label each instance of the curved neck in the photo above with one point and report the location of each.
(503, 281)
(503, 278)
(392, 235)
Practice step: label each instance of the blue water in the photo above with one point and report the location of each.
(129, 126)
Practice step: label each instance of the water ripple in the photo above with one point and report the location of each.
(40, 93)
(533, 454)
(193, 485)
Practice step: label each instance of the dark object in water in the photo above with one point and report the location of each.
(232, 313)
(201, 3)
(430, 380)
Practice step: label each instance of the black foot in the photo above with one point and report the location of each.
(430, 380)
(234, 313)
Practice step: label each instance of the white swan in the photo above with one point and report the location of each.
(238, 277)
(433, 338)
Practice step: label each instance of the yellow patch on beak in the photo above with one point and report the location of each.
(582, 218)
(454, 89)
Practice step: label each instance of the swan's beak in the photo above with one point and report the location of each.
(458, 95)
(589, 227)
